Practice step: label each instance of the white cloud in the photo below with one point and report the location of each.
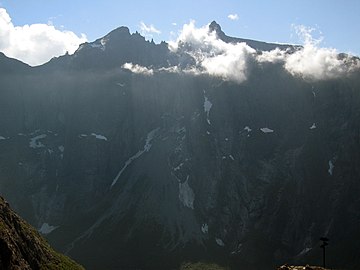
(233, 17)
(231, 61)
(172, 69)
(311, 61)
(318, 63)
(213, 56)
(274, 56)
(35, 44)
(138, 69)
(148, 29)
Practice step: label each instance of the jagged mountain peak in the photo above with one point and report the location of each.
(214, 26)
(115, 49)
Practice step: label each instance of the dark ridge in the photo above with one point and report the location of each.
(119, 32)
(257, 45)
(9, 65)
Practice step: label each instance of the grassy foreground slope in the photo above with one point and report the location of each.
(22, 247)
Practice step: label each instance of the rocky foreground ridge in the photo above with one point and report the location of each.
(22, 247)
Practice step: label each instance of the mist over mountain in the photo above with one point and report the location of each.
(133, 155)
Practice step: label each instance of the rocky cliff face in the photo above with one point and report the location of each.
(22, 247)
(151, 167)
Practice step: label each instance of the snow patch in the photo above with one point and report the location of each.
(35, 143)
(219, 242)
(266, 130)
(237, 250)
(100, 45)
(304, 251)
(61, 149)
(205, 228)
(120, 84)
(331, 167)
(99, 137)
(147, 147)
(2, 138)
(179, 166)
(207, 108)
(231, 156)
(46, 228)
(103, 42)
(313, 126)
(95, 45)
(248, 129)
(186, 194)
(314, 94)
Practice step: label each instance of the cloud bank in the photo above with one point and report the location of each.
(212, 55)
(35, 44)
(313, 62)
(231, 61)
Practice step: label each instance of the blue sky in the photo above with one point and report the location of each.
(337, 21)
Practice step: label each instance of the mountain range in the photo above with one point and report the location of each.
(135, 155)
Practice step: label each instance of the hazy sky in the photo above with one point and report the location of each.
(338, 22)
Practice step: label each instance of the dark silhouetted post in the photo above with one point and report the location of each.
(324, 244)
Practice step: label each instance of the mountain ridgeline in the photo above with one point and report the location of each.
(126, 159)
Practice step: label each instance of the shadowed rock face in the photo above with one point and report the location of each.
(148, 171)
(21, 246)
